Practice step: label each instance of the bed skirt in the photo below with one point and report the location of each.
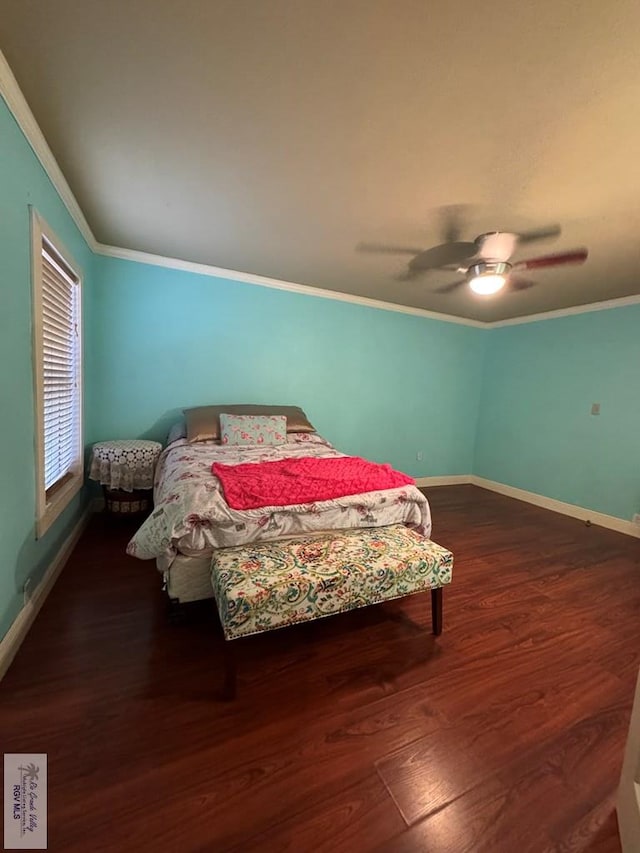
(189, 578)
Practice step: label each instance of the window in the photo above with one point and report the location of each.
(57, 346)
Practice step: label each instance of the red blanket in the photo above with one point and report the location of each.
(301, 481)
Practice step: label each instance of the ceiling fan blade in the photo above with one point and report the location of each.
(539, 234)
(577, 256)
(448, 288)
(514, 282)
(409, 274)
(450, 219)
(382, 248)
(444, 255)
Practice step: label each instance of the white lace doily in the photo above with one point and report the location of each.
(128, 464)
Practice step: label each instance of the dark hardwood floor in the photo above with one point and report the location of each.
(360, 732)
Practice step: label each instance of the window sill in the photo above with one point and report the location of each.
(58, 502)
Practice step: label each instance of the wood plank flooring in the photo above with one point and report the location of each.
(356, 733)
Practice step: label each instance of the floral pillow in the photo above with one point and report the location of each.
(253, 429)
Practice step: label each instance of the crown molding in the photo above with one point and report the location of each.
(621, 302)
(16, 101)
(308, 290)
(278, 284)
(17, 104)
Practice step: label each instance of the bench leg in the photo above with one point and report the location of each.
(230, 671)
(436, 610)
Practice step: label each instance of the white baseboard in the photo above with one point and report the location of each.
(447, 480)
(599, 518)
(12, 640)
(620, 525)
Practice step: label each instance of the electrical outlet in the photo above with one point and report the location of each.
(595, 408)
(420, 455)
(636, 518)
(26, 591)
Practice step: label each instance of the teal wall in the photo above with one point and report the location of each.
(535, 429)
(376, 383)
(24, 182)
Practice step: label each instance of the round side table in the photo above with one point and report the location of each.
(125, 469)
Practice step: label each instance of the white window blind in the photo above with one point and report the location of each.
(60, 366)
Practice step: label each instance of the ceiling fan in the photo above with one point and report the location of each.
(484, 262)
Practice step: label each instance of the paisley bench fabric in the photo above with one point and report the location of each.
(273, 584)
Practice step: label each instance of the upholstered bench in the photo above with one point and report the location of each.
(271, 585)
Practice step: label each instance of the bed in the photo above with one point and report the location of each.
(191, 517)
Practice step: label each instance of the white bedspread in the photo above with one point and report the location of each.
(191, 514)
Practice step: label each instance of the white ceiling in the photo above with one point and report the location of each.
(271, 136)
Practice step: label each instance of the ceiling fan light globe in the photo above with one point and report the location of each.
(486, 284)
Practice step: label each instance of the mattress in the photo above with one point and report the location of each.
(192, 518)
